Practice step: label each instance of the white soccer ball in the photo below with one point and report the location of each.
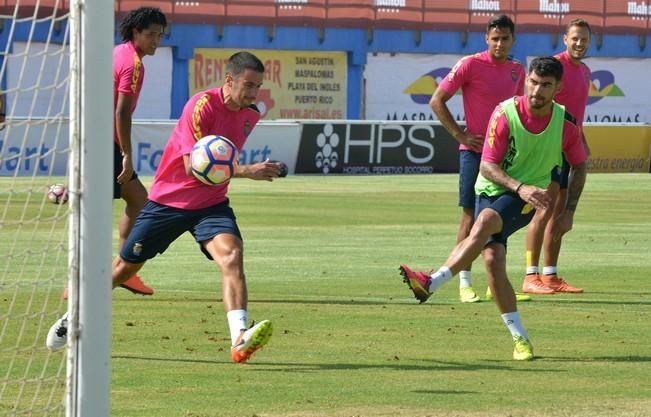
(57, 194)
(213, 159)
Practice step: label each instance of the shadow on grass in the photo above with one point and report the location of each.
(442, 391)
(559, 300)
(406, 300)
(334, 301)
(432, 365)
(623, 359)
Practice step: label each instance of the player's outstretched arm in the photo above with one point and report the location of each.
(265, 171)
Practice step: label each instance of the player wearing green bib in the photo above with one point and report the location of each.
(523, 149)
(530, 156)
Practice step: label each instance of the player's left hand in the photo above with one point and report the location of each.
(537, 197)
(266, 171)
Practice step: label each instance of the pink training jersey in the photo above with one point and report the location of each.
(204, 114)
(497, 139)
(128, 75)
(575, 88)
(484, 83)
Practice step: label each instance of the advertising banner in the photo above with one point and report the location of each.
(44, 154)
(619, 92)
(619, 148)
(376, 148)
(276, 141)
(297, 84)
(48, 64)
(37, 149)
(404, 95)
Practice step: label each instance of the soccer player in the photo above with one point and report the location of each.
(485, 79)
(141, 31)
(2, 112)
(574, 96)
(179, 202)
(525, 140)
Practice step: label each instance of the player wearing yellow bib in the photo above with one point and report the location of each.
(523, 148)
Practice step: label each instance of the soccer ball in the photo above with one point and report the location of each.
(57, 194)
(213, 159)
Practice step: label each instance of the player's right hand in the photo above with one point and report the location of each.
(474, 142)
(127, 170)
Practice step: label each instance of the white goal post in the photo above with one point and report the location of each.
(91, 138)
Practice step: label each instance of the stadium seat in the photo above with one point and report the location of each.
(204, 12)
(124, 6)
(408, 17)
(252, 12)
(618, 20)
(446, 15)
(527, 17)
(311, 14)
(343, 13)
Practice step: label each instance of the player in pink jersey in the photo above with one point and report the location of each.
(574, 96)
(2, 111)
(141, 31)
(525, 140)
(485, 79)
(180, 203)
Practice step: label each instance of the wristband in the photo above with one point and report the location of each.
(517, 190)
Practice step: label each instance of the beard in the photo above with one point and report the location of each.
(537, 102)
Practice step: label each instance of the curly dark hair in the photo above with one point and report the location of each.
(141, 19)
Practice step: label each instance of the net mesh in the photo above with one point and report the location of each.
(34, 77)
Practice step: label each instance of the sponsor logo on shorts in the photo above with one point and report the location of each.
(137, 249)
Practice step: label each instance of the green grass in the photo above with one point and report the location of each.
(321, 255)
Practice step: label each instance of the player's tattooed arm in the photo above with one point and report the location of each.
(564, 223)
(494, 173)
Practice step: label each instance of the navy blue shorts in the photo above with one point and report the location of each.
(514, 211)
(564, 174)
(117, 168)
(157, 226)
(468, 171)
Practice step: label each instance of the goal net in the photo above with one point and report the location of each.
(44, 229)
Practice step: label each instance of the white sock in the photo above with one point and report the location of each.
(236, 323)
(532, 270)
(549, 270)
(439, 278)
(514, 324)
(465, 279)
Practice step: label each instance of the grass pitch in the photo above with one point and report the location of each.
(321, 256)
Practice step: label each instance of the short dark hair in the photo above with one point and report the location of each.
(140, 19)
(547, 66)
(501, 21)
(240, 61)
(580, 23)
